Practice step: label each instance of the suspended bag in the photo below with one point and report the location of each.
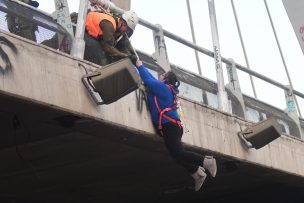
(260, 134)
(112, 81)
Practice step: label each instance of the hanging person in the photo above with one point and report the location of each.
(162, 104)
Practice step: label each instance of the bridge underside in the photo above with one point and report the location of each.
(48, 155)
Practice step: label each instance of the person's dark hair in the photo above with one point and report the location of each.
(172, 80)
(34, 3)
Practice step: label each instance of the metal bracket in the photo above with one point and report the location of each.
(244, 142)
(86, 79)
(260, 134)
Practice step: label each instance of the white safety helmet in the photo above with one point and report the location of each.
(131, 19)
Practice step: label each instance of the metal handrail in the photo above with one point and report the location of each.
(190, 44)
(211, 54)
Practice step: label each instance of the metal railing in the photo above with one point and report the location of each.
(211, 54)
(158, 34)
(46, 30)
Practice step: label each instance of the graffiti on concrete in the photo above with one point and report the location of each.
(6, 64)
(140, 98)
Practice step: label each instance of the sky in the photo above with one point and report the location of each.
(259, 40)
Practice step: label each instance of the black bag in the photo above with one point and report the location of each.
(262, 133)
(113, 81)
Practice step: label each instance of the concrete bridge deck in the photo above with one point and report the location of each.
(57, 145)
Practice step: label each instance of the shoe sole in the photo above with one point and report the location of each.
(215, 170)
(203, 180)
(213, 166)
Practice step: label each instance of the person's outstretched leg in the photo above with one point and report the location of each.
(199, 177)
(210, 164)
(172, 137)
(193, 162)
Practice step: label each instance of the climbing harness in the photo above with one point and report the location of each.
(162, 112)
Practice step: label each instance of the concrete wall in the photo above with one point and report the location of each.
(123, 4)
(51, 78)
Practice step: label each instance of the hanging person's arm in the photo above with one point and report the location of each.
(108, 40)
(157, 87)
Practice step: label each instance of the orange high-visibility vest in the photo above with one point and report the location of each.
(93, 21)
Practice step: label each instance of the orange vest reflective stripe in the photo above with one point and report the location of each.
(93, 21)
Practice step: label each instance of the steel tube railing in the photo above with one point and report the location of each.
(211, 54)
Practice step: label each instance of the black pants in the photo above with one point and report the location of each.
(172, 137)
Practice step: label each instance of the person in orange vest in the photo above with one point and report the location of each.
(112, 33)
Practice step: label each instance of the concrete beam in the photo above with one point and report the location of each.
(51, 78)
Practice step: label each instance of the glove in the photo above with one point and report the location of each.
(133, 58)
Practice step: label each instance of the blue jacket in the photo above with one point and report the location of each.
(163, 94)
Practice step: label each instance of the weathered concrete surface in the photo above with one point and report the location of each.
(217, 131)
(51, 78)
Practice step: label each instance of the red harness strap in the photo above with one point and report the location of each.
(163, 111)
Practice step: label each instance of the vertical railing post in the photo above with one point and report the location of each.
(222, 94)
(292, 109)
(78, 45)
(234, 84)
(62, 15)
(160, 54)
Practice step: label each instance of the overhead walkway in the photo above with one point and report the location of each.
(57, 145)
(55, 139)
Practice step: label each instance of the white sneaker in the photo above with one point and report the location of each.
(199, 177)
(210, 165)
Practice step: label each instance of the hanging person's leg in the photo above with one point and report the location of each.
(193, 162)
(172, 138)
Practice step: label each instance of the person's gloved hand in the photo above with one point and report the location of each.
(133, 58)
